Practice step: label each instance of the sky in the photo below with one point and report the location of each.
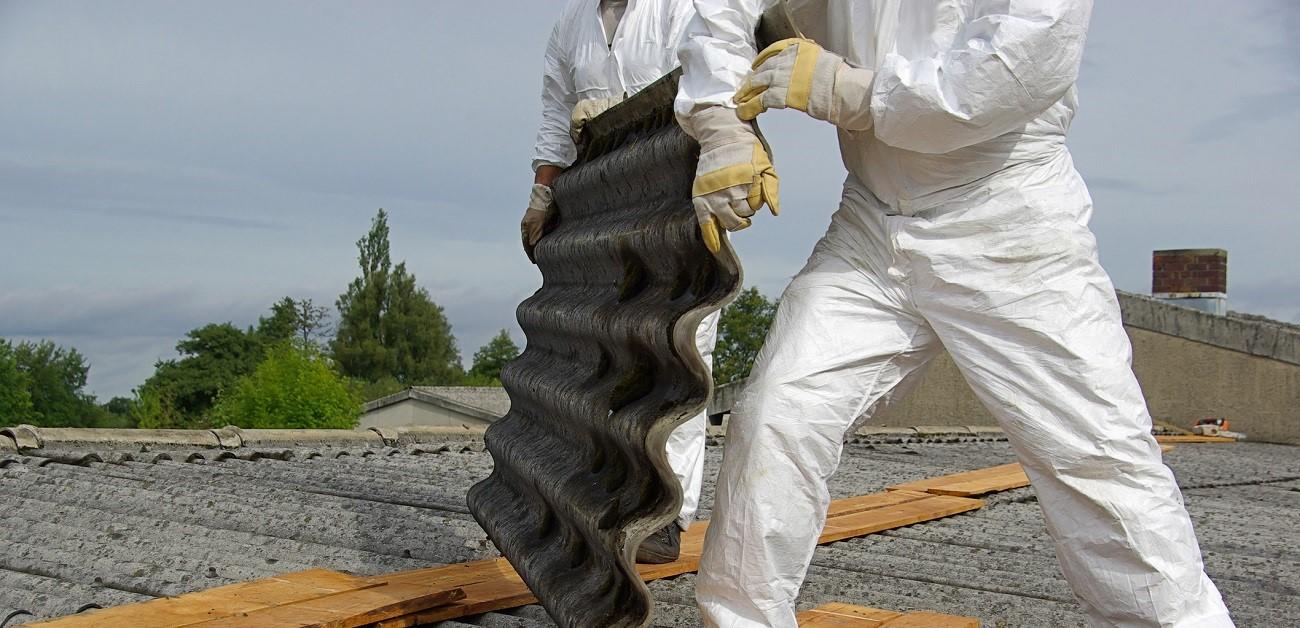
(168, 164)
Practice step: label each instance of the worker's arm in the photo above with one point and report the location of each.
(555, 148)
(546, 174)
(734, 176)
(716, 53)
(1011, 62)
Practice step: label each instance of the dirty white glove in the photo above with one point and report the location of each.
(734, 177)
(799, 74)
(586, 111)
(540, 203)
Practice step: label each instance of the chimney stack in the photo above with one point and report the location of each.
(1195, 278)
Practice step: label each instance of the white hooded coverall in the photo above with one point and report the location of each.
(585, 62)
(963, 225)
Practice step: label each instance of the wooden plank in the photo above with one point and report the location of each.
(347, 610)
(830, 615)
(895, 516)
(848, 616)
(976, 488)
(483, 597)
(926, 619)
(1164, 449)
(194, 608)
(971, 483)
(1192, 439)
(860, 503)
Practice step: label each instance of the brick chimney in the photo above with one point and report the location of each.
(1195, 278)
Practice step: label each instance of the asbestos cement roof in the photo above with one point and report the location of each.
(108, 523)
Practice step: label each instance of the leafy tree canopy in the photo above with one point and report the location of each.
(299, 320)
(43, 384)
(490, 358)
(295, 387)
(213, 357)
(15, 393)
(741, 332)
(389, 327)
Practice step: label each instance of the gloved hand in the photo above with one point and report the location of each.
(586, 110)
(799, 74)
(540, 203)
(734, 177)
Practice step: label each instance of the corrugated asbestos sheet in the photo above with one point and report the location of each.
(610, 369)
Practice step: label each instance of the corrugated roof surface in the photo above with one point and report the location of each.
(120, 526)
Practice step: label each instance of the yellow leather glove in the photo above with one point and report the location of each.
(531, 228)
(799, 74)
(734, 177)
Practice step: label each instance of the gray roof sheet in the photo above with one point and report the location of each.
(106, 524)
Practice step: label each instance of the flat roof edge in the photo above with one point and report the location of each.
(1264, 338)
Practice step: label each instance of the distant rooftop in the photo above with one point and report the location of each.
(491, 402)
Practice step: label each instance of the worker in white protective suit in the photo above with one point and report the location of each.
(601, 52)
(963, 225)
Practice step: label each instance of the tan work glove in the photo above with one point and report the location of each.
(586, 111)
(540, 203)
(734, 177)
(799, 74)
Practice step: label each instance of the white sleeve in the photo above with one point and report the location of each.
(681, 15)
(554, 144)
(1012, 61)
(716, 52)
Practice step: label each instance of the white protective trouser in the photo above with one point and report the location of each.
(1005, 276)
(686, 443)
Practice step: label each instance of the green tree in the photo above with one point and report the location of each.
(213, 357)
(490, 358)
(115, 412)
(118, 406)
(15, 389)
(154, 408)
(388, 326)
(298, 319)
(741, 331)
(295, 387)
(55, 379)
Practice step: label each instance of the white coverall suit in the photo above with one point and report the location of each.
(963, 225)
(583, 62)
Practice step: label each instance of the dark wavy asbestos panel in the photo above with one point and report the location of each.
(610, 369)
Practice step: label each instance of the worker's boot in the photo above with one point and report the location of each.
(663, 546)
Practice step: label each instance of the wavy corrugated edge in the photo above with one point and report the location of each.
(610, 370)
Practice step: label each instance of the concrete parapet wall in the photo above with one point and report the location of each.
(1191, 365)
